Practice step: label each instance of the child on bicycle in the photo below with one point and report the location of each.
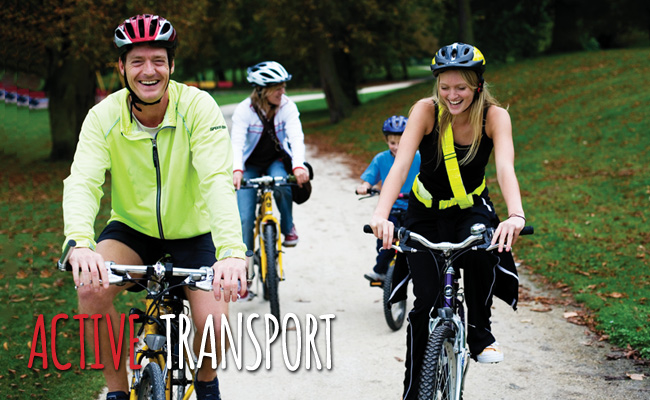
(376, 173)
(455, 130)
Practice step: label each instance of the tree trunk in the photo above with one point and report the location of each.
(465, 26)
(389, 71)
(71, 89)
(345, 70)
(338, 103)
(567, 27)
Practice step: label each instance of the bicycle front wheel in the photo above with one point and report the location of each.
(152, 385)
(439, 373)
(272, 278)
(395, 312)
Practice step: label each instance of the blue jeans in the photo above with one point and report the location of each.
(247, 201)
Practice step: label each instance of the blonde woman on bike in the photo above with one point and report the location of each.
(167, 148)
(456, 130)
(267, 139)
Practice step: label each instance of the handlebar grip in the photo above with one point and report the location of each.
(368, 229)
(63, 264)
(528, 230)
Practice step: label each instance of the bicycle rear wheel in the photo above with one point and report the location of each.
(272, 278)
(395, 312)
(438, 374)
(152, 385)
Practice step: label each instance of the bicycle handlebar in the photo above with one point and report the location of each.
(266, 180)
(479, 233)
(118, 274)
(373, 192)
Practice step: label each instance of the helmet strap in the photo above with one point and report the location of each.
(479, 88)
(135, 100)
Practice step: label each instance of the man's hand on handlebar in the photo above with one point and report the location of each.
(229, 276)
(88, 268)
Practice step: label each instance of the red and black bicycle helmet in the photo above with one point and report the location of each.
(458, 56)
(144, 28)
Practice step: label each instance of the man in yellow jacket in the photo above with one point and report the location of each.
(168, 150)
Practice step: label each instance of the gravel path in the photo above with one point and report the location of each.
(546, 357)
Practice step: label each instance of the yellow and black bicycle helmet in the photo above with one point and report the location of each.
(458, 56)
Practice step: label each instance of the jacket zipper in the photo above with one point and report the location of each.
(156, 165)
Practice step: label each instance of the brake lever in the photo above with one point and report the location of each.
(204, 283)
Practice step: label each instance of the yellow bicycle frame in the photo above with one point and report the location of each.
(265, 216)
(149, 329)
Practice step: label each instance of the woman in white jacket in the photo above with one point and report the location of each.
(266, 130)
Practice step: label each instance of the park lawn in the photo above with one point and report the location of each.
(582, 145)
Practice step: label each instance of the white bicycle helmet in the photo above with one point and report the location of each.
(267, 73)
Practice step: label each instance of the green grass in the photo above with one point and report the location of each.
(582, 147)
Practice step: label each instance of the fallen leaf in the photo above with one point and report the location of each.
(570, 314)
(17, 300)
(616, 295)
(5, 345)
(543, 309)
(635, 377)
(399, 359)
(46, 273)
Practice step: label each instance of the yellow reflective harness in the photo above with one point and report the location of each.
(461, 198)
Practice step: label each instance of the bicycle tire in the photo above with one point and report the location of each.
(394, 313)
(152, 384)
(272, 278)
(438, 373)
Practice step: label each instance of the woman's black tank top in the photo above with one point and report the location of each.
(434, 176)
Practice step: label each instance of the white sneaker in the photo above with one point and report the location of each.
(490, 354)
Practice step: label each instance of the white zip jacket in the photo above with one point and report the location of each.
(247, 130)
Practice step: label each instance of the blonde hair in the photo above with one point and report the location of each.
(259, 99)
(476, 110)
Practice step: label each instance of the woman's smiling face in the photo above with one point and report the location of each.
(275, 92)
(455, 91)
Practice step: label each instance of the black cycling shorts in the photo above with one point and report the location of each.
(195, 252)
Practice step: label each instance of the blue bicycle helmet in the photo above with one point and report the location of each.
(394, 125)
(458, 56)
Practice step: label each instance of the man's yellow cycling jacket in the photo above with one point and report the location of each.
(178, 185)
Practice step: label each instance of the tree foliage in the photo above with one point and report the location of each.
(65, 42)
(340, 40)
(332, 44)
